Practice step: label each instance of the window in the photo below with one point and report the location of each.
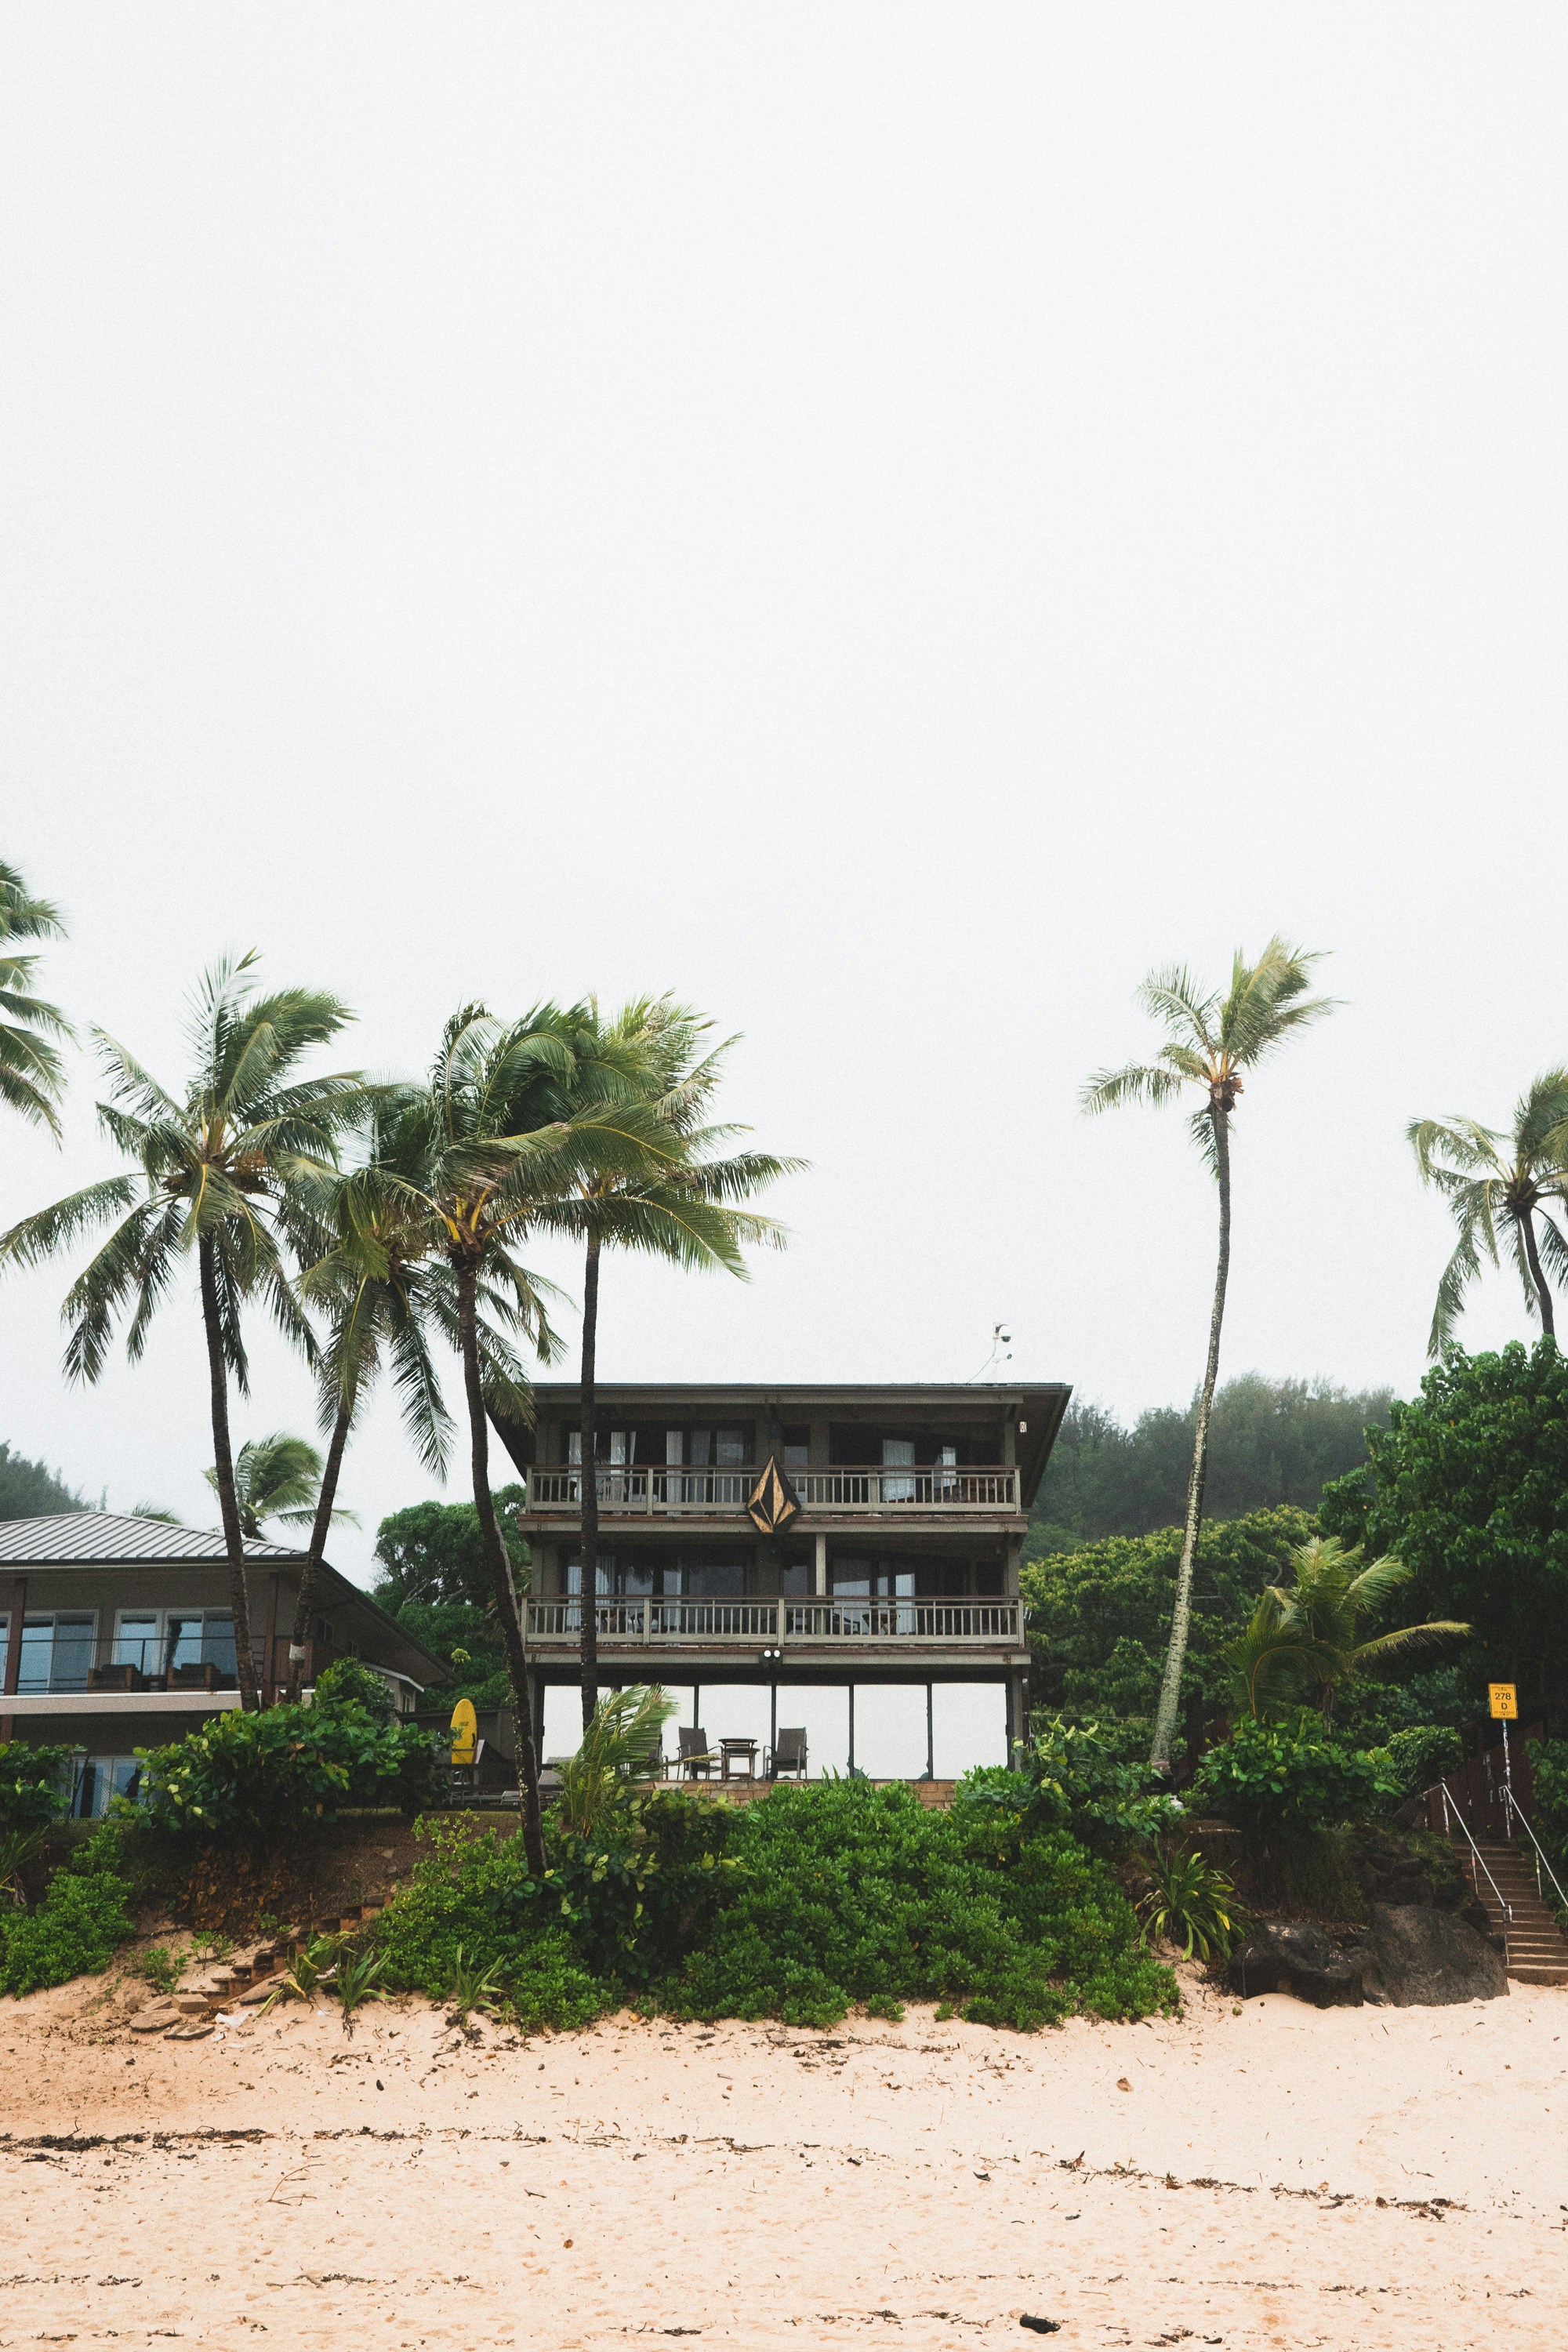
(57, 1651)
(158, 1641)
(98, 1778)
(796, 1449)
(899, 1453)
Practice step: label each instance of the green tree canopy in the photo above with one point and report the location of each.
(29, 1491)
(1270, 1442)
(1469, 1485)
(1099, 1618)
(434, 1552)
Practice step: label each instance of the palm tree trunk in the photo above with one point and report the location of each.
(499, 1567)
(588, 1485)
(1181, 1612)
(223, 1463)
(1548, 1323)
(305, 1608)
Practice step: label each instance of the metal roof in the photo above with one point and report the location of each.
(84, 1538)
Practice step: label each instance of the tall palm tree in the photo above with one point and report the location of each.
(277, 1478)
(1495, 1182)
(681, 1204)
(374, 1265)
(493, 1152)
(1212, 1040)
(1307, 1639)
(215, 1163)
(32, 1077)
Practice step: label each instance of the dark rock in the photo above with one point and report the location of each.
(1421, 1957)
(1292, 1956)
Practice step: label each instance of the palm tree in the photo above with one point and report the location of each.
(1211, 1041)
(680, 1204)
(1306, 1639)
(493, 1152)
(32, 1077)
(277, 1477)
(374, 1267)
(216, 1165)
(1493, 1181)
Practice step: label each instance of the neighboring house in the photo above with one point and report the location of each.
(789, 1536)
(118, 1633)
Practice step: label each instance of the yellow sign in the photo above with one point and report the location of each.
(773, 1502)
(1504, 1700)
(465, 1731)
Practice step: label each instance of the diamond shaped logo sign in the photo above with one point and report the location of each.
(772, 1502)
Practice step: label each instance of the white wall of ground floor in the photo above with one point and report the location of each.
(968, 1723)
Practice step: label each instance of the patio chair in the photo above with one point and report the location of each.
(696, 1759)
(788, 1753)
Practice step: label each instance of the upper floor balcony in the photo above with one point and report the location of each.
(857, 1491)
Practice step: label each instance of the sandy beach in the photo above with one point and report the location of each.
(1280, 2176)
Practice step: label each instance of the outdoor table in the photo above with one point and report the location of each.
(734, 1753)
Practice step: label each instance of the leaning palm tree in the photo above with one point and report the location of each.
(493, 1151)
(1307, 1640)
(1212, 1040)
(277, 1477)
(682, 1204)
(1502, 1189)
(215, 1163)
(32, 1076)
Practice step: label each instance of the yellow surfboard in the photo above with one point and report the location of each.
(465, 1731)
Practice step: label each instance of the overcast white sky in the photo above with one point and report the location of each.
(889, 520)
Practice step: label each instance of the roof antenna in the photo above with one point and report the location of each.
(1001, 1353)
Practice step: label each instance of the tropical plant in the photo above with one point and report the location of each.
(350, 1682)
(1273, 1779)
(160, 1968)
(1308, 1639)
(1469, 1486)
(262, 1779)
(679, 1200)
(1186, 1900)
(1080, 1778)
(622, 1743)
(1212, 1040)
(276, 1477)
(29, 1490)
(77, 1928)
(35, 1784)
(1502, 1189)
(215, 1167)
(483, 1152)
(476, 1984)
(356, 1980)
(32, 1076)
(18, 1847)
(310, 1970)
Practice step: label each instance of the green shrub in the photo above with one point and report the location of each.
(263, 1778)
(1082, 1780)
(848, 1893)
(471, 1905)
(349, 1682)
(77, 1928)
(1275, 1781)
(35, 1784)
(1425, 1753)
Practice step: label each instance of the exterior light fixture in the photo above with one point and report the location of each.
(772, 1658)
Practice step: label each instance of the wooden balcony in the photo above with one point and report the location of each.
(858, 1492)
(787, 1625)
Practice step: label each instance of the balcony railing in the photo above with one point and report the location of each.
(782, 1624)
(831, 1492)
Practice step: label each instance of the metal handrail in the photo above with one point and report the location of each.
(1516, 1813)
(1506, 1907)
